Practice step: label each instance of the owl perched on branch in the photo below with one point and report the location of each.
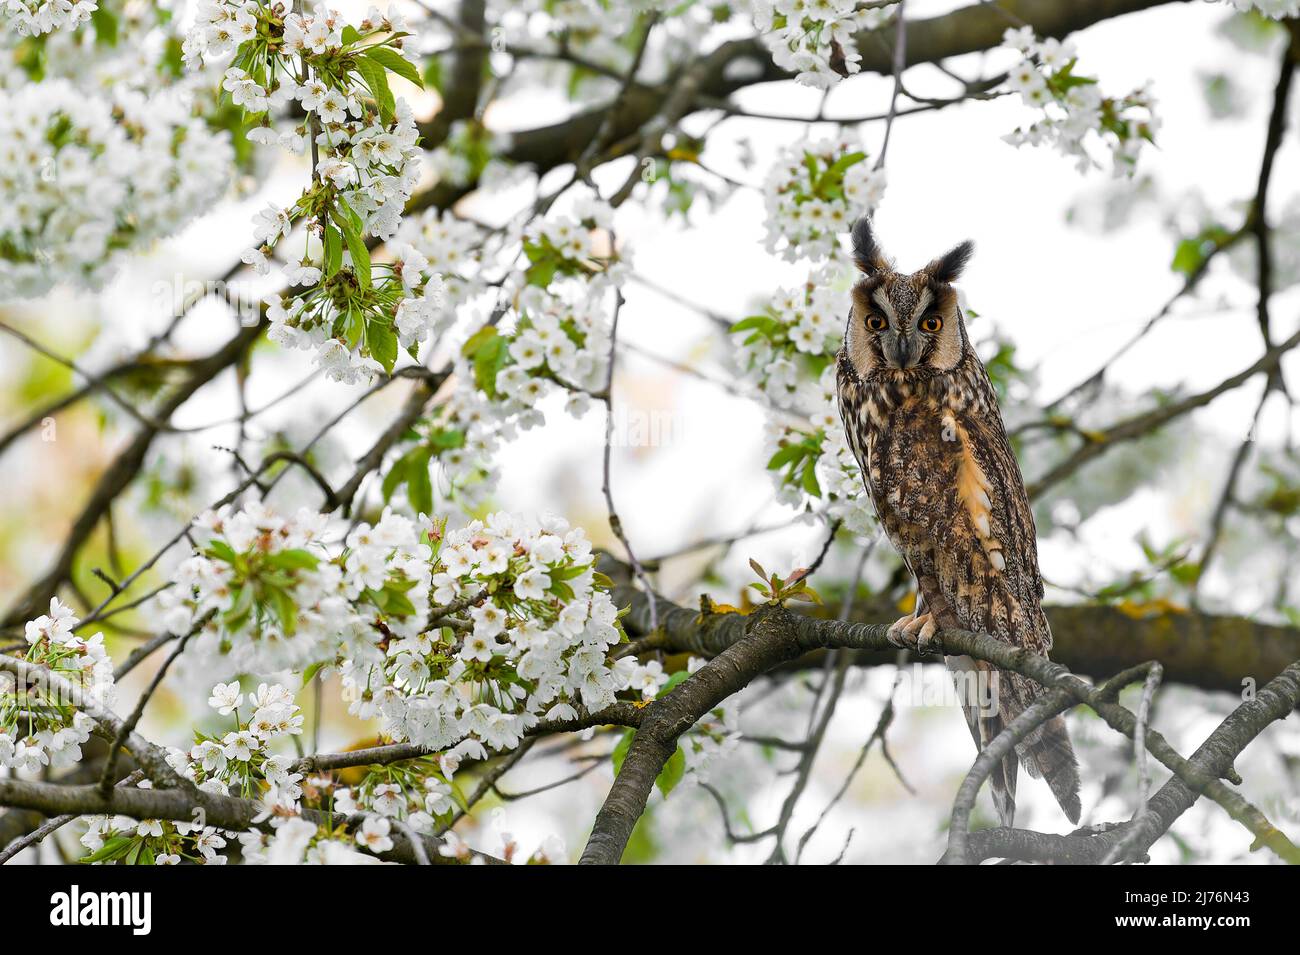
(923, 421)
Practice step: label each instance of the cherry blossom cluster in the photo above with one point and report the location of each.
(356, 315)
(461, 638)
(122, 45)
(813, 463)
(297, 841)
(787, 352)
(462, 437)
(560, 336)
(529, 641)
(357, 321)
(360, 821)
(235, 763)
(558, 342)
(1073, 106)
(41, 729)
(595, 29)
(783, 349)
(814, 192)
(417, 791)
(260, 589)
(812, 39)
(240, 762)
(121, 840)
(35, 17)
(91, 175)
(452, 248)
(577, 246)
(716, 734)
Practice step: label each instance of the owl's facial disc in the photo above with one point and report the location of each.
(904, 324)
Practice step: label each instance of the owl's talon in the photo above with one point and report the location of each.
(897, 632)
(925, 639)
(913, 632)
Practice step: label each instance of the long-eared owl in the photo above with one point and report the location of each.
(924, 423)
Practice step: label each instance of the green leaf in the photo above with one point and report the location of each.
(309, 674)
(293, 559)
(809, 481)
(412, 469)
(447, 438)
(541, 273)
(333, 250)
(112, 849)
(1187, 256)
(395, 478)
(398, 604)
(377, 79)
(674, 681)
(105, 23)
(787, 455)
(350, 214)
(222, 551)
(360, 254)
(488, 351)
(433, 73)
(478, 340)
(620, 751)
(354, 324)
(285, 610)
(672, 772)
(489, 360)
(350, 35)
(761, 322)
(567, 573)
(419, 488)
(458, 795)
(383, 344)
(394, 62)
(835, 172)
(240, 608)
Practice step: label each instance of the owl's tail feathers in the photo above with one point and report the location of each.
(985, 724)
(1048, 753)
(1002, 781)
(1045, 753)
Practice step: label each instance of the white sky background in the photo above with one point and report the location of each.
(1067, 297)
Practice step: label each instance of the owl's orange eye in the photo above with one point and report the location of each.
(876, 323)
(931, 324)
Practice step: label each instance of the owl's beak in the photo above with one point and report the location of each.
(902, 352)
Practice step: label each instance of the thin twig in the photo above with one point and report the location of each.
(606, 486)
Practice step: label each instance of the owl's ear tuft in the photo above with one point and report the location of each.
(866, 251)
(948, 267)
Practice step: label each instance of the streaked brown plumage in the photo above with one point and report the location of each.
(923, 421)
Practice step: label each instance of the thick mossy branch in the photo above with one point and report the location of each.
(1207, 651)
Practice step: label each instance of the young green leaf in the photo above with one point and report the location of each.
(360, 255)
(377, 80)
(672, 772)
(383, 344)
(333, 250)
(394, 62)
